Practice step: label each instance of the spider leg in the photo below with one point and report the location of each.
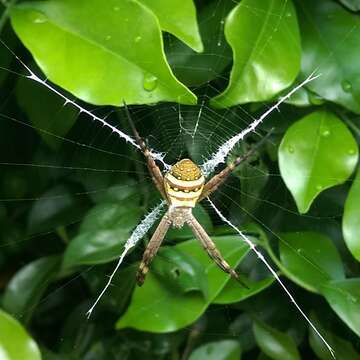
(152, 248)
(156, 174)
(220, 178)
(138, 233)
(211, 249)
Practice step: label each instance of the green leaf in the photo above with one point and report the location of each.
(275, 344)
(175, 268)
(102, 235)
(104, 53)
(253, 175)
(343, 349)
(353, 5)
(27, 286)
(217, 350)
(266, 48)
(15, 343)
(233, 293)
(317, 152)
(110, 216)
(344, 298)
(157, 308)
(178, 17)
(310, 259)
(56, 207)
(48, 115)
(126, 191)
(332, 48)
(301, 97)
(351, 219)
(192, 68)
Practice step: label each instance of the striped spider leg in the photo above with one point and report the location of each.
(183, 186)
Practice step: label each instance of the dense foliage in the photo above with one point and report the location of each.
(72, 191)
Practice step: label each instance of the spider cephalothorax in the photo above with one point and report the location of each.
(184, 184)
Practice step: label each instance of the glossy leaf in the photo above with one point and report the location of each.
(15, 342)
(351, 219)
(266, 51)
(257, 276)
(126, 191)
(178, 18)
(27, 286)
(217, 350)
(192, 68)
(233, 293)
(102, 234)
(344, 298)
(317, 152)
(180, 270)
(253, 176)
(157, 308)
(275, 344)
(343, 349)
(300, 98)
(92, 49)
(310, 259)
(330, 36)
(48, 115)
(351, 4)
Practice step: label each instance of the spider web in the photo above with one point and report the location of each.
(177, 131)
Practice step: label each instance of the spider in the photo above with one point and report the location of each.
(182, 187)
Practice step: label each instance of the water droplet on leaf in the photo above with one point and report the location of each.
(116, 8)
(108, 37)
(137, 39)
(290, 149)
(351, 151)
(150, 82)
(319, 187)
(325, 133)
(38, 17)
(346, 85)
(352, 298)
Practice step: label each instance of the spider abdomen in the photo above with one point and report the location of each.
(184, 184)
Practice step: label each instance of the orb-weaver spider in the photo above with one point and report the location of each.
(182, 187)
